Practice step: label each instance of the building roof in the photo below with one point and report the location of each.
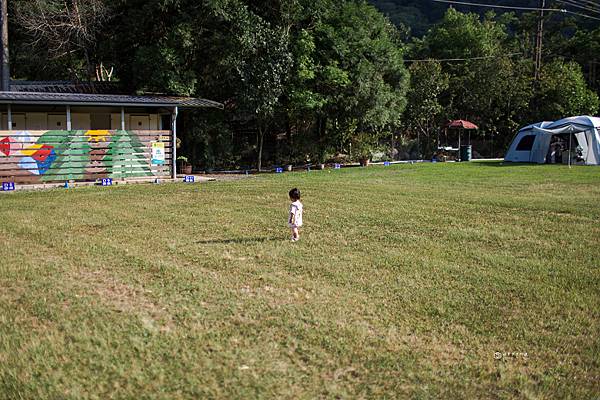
(67, 87)
(92, 94)
(121, 100)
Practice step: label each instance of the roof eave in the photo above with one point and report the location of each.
(86, 103)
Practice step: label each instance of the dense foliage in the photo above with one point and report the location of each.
(316, 80)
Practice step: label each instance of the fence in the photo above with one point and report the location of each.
(52, 156)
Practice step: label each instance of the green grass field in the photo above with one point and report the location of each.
(416, 281)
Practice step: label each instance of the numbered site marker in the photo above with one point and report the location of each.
(189, 179)
(8, 186)
(107, 182)
(278, 170)
(337, 166)
(386, 163)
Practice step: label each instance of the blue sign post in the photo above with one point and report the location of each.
(8, 186)
(107, 181)
(189, 179)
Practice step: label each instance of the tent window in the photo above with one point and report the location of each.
(526, 143)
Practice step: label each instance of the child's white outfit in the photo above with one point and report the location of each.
(295, 218)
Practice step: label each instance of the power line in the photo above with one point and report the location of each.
(582, 15)
(561, 10)
(588, 3)
(576, 5)
(464, 3)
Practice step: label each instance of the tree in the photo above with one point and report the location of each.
(360, 81)
(424, 111)
(264, 63)
(73, 155)
(582, 46)
(489, 84)
(66, 30)
(563, 92)
(125, 156)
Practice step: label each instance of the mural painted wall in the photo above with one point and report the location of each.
(53, 156)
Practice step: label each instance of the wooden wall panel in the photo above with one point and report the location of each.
(81, 155)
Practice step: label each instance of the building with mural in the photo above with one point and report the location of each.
(56, 132)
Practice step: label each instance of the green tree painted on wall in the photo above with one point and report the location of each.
(73, 154)
(125, 156)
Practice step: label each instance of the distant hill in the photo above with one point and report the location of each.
(419, 15)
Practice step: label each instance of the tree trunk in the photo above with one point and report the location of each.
(261, 137)
(288, 135)
(393, 146)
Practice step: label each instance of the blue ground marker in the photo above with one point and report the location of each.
(278, 170)
(386, 163)
(8, 186)
(189, 179)
(337, 166)
(107, 181)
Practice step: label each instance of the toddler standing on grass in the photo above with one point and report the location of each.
(295, 217)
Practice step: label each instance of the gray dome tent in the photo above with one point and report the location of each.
(577, 138)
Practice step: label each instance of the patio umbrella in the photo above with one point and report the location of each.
(461, 125)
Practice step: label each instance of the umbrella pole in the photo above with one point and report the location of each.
(459, 134)
(570, 136)
(446, 134)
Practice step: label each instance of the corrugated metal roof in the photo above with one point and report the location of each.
(105, 100)
(66, 87)
(92, 93)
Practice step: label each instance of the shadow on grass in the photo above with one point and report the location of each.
(500, 164)
(508, 164)
(240, 240)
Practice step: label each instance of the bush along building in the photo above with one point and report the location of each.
(62, 131)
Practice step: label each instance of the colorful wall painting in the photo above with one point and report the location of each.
(53, 156)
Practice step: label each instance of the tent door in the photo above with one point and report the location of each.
(583, 143)
(592, 156)
(540, 148)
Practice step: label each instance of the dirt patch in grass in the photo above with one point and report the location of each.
(126, 298)
(226, 177)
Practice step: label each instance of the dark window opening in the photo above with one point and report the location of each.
(165, 122)
(526, 143)
(100, 121)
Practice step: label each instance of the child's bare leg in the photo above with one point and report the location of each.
(295, 233)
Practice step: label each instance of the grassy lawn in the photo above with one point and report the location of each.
(424, 281)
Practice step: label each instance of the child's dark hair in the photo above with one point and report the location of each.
(295, 194)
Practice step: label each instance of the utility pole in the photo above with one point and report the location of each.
(5, 81)
(539, 41)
